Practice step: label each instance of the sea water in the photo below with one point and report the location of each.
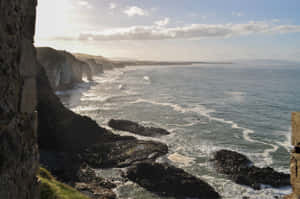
(206, 108)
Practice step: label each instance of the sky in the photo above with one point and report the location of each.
(173, 30)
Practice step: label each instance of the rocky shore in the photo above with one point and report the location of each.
(167, 180)
(37, 129)
(135, 128)
(242, 171)
(71, 145)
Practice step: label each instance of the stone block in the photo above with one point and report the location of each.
(296, 129)
(29, 96)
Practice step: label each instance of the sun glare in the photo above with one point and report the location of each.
(54, 18)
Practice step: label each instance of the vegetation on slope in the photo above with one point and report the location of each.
(50, 188)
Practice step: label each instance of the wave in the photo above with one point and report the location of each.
(181, 159)
(122, 87)
(199, 109)
(286, 144)
(147, 78)
(236, 96)
(109, 76)
(176, 107)
(79, 109)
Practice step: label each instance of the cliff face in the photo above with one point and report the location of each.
(62, 68)
(18, 120)
(59, 128)
(95, 67)
(87, 71)
(99, 63)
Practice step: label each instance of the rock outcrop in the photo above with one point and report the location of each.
(18, 119)
(167, 180)
(123, 152)
(94, 66)
(93, 186)
(135, 128)
(242, 171)
(62, 68)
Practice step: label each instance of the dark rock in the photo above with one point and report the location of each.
(167, 180)
(95, 191)
(133, 127)
(242, 171)
(123, 152)
(91, 185)
(63, 165)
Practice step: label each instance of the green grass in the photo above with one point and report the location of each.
(50, 188)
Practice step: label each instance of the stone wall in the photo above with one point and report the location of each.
(295, 157)
(18, 119)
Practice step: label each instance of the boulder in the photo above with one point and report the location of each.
(94, 187)
(123, 152)
(167, 180)
(242, 171)
(135, 128)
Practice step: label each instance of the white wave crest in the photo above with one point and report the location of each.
(146, 78)
(199, 109)
(181, 159)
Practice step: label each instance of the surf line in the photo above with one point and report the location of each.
(206, 113)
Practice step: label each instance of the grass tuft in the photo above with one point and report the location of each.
(50, 188)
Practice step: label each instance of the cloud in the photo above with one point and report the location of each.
(163, 22)
(84, 4)
(237, 14)
(194, 31)
(275, 20)
(135, 11)
(112, 6)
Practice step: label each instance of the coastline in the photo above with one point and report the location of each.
(173, 156)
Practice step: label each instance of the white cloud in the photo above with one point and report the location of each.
(135, 11)
(163, 22)
(194, 31)
(237, 14)
(275, 20)
(112, 6)
(84, 4)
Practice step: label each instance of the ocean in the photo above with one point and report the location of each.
(206, 108)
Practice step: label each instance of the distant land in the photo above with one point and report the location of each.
(266, 62)
(132, 62)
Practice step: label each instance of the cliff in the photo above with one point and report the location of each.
(59, 128)
(62, 68)
(94, 66)
(18, 119)
(105, 63)
(67, 140)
